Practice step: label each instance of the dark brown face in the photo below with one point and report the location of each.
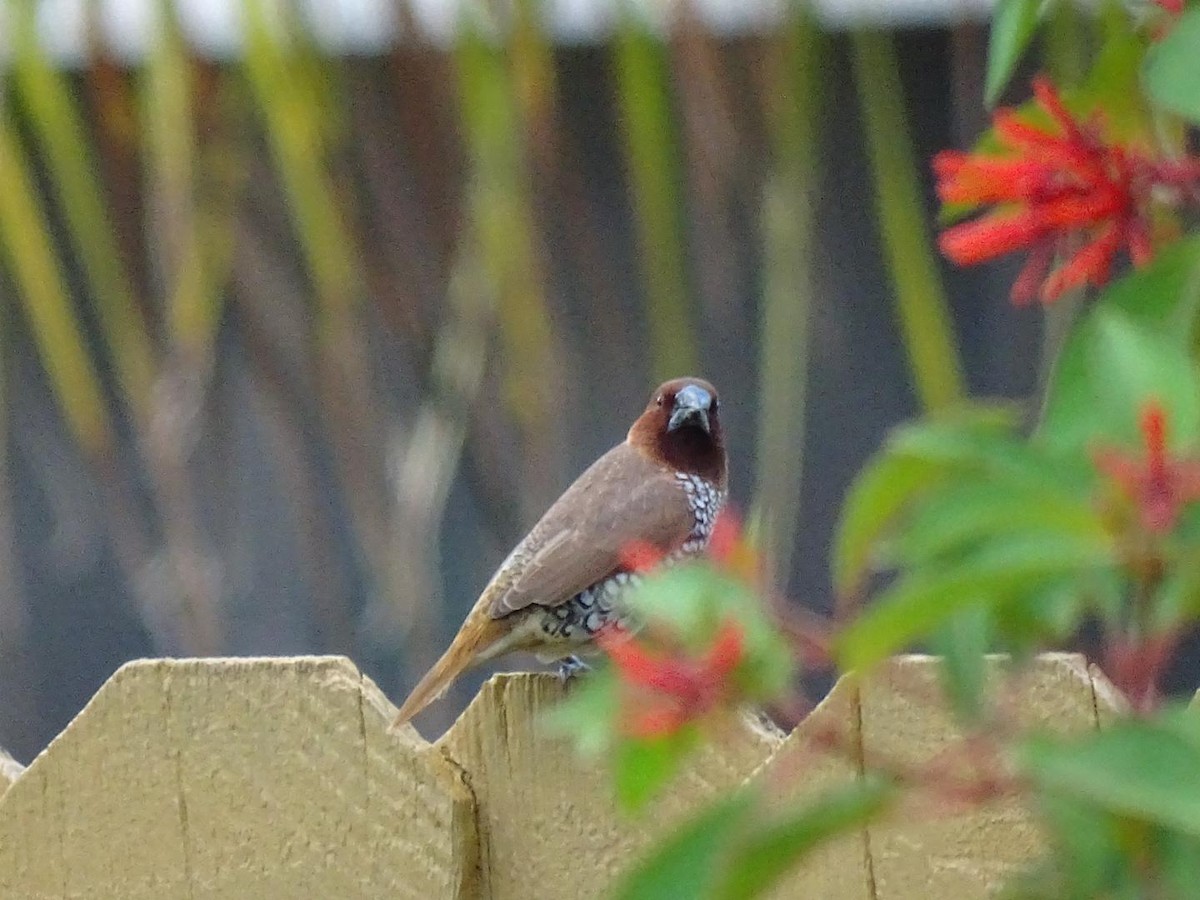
(682, 427)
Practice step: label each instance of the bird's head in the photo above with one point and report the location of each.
(681, 427)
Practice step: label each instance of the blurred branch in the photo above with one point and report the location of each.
(921, 303)
(281, 86)
(714, 148)
(792, 94)
(424, 465)
(191, 217)
(55, 119)
(503, 218)
(25, 236)
(282, 81)
(643, 84)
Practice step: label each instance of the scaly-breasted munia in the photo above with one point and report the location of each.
(663, 486)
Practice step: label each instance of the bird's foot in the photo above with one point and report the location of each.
(570, 667)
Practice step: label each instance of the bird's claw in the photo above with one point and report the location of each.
(570, 667)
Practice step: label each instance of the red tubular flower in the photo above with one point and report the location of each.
(1066, 191)
(1159, 485)
(733, 552)
(669, 690)
(641, 556)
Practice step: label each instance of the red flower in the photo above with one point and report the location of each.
(1160, 486)
(1065, 191)
(728, 547)
(1174, 7)
(641, 556)
(669, 690)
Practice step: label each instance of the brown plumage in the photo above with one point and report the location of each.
(663, 485)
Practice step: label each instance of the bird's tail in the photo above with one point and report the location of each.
(476, 636)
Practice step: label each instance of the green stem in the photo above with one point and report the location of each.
(920, 298)
(651, 150)
(793, 93)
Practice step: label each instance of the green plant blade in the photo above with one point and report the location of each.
(1172, 68)
(43, 292)
(921, 303)
(1141, 769)
(47, 94)
(687, 863)
(878, 495)
(788, 224)
(919, 604)
(651, 150)
(767, 854)
(1013, 26)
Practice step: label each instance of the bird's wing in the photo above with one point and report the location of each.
(622, 497)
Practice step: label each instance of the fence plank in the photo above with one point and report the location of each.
(547, 824)
(237, 778)
(279, 778)
(823, 752)
(926, 849)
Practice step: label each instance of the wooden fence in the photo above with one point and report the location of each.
(259, 779)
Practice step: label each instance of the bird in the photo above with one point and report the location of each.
(663, 485)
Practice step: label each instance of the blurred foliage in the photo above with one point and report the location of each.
(373, 251)
(979, 528)
(384, 260)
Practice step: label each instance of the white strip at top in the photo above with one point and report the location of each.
(214, 27)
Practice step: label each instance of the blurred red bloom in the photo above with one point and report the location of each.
(1174, 7)
(641, 556)
(670, 689)
(733, 552)
(1063, 191)
(728, 547)
(1160, 486)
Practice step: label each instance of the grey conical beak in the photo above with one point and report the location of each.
(692, 404)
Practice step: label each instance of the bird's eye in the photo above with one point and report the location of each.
(716, 404)
(659, 400)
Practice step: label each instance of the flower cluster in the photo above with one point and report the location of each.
(670, 689)
(1067, 192)
(1158, 485)
(666, 685)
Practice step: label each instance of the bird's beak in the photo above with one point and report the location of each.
(691, 408)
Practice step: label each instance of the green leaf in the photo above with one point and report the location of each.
(995, 453)
(1163, 299)
(956, 516)
(643, 768)
(1144, 770)
(878, 495)
(1013, 26)
(1172, 68)
(1134, 365)
(961, 644)
(1113, 84)
(1164, 295)
(589, 713)
(920, 603)
(1111, 365)
(688, 862)
(1177, 600)
(769, 853)
(914, 458)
